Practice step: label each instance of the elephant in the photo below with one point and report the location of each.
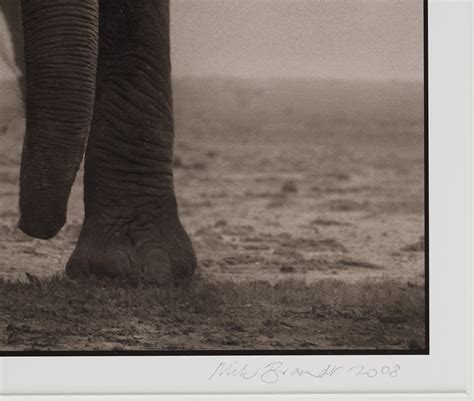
(98, 81)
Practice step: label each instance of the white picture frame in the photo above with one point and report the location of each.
(445, 374)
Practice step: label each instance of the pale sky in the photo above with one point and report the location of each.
(348, 39)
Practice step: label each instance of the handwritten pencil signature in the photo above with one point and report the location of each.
(273, 372)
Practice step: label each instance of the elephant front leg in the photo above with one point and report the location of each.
(131, 225)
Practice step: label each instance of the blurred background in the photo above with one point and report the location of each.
(336, 39)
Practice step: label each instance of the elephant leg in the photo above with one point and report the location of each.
(131, 225)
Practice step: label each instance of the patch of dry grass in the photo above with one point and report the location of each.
(52, 314)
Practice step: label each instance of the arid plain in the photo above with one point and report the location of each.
(305, 203)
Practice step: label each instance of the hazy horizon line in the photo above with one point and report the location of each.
(223, 77)
(294, 78)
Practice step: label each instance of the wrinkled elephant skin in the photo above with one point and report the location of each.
(99, 71)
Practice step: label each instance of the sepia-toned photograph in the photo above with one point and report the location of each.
(213, 177)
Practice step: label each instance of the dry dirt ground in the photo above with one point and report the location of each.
(304, 201)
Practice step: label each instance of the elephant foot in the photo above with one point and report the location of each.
(158, 252)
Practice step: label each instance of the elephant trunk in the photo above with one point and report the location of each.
(61, 46)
